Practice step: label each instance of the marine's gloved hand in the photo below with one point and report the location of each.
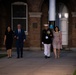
(42, 42)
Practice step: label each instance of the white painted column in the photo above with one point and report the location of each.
(52, 9)
(52, 12)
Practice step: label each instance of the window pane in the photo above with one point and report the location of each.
(19, 10)
(19, 21)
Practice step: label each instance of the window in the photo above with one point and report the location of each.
(19, 15)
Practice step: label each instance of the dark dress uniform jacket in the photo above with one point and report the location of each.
(47, 36)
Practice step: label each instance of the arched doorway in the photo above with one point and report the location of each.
(62, 22)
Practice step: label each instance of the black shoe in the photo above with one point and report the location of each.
(45, 57)
(10, 57)
(17, 57)
(48, 57)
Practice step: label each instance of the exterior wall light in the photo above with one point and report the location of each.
(66, 15)
(59, 15)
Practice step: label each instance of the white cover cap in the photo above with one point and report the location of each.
(45, 24)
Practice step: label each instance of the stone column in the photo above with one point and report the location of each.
(34, 29)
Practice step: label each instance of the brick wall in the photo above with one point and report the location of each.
(36, 19)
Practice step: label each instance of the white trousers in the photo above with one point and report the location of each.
(47, 49)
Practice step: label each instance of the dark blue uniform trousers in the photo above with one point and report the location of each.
(19, 49)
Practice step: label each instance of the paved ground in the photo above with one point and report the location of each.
(34, 63)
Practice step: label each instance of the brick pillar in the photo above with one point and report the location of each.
(73, 35)
(2, 26)
(34, 29)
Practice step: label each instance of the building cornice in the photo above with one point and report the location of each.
(35, 14)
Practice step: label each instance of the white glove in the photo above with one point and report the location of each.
(42, 42)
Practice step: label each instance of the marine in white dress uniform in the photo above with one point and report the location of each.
(47, 36)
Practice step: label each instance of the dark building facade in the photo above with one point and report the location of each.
(36, 15)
